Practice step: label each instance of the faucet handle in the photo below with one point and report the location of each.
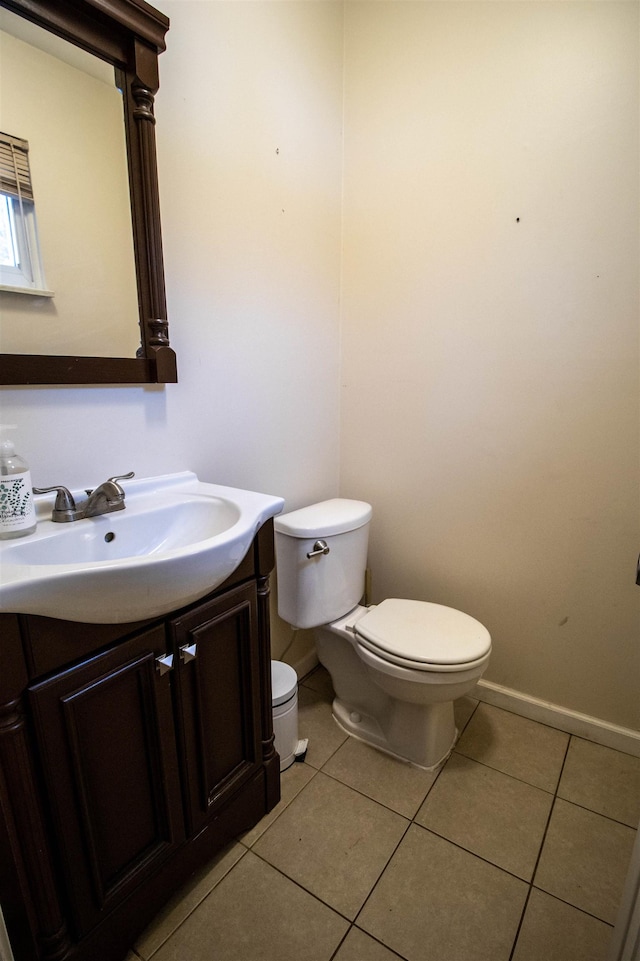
(119, 477)
(65, 506)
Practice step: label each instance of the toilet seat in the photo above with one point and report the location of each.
(423, 636)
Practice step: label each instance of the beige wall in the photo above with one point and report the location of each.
(490, 328)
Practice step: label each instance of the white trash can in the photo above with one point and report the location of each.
(284, 701)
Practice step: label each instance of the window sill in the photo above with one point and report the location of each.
(34, 291)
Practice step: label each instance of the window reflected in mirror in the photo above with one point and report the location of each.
(21, 268)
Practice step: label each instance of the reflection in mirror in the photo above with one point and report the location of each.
(20, 262)
(64, 102)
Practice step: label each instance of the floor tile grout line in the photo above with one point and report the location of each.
(560, 730)
(554, 793)
(330, 907)
(381, 874)
(246, 849)
(274, 867)
(249, 847)
(363, 794)
(524, 717)
(467, 722)
(400, 957)
(299, 884)
(589, 914)
(466, 851)
(317, 771)
(521, 921)
(606, 747)
(409, 822)
(198, 905)
(607, 817)
(521, 780)
(381, 803)
(342, 940)
(335, 751)
(540, 849)
(461, 847)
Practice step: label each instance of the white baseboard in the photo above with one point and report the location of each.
(562, 718)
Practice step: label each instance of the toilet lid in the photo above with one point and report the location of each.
(422, 632)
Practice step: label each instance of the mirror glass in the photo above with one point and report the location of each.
(64, 102)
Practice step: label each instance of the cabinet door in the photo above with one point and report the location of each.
(106, 737)
(219, 697)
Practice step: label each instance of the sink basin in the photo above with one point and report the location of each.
(177, 539)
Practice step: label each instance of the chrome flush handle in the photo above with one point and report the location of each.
(320, 547)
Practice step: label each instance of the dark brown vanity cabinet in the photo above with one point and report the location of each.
(124, 768)
(219, 705)
(104, 730)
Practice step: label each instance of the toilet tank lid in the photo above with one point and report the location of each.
(335, 516)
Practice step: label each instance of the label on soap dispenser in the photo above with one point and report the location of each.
(17, 512)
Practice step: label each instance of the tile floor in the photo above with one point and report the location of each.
(516, 850)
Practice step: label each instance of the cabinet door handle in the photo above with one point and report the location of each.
(164, 664)
(188, 653)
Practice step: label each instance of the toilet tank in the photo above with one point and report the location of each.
(317, 590)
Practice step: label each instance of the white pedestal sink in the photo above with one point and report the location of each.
(176, 540)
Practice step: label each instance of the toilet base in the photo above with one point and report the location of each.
(422, 735)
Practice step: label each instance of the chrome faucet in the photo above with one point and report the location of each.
(104, 499)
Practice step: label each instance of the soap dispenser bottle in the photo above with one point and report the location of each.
(17, 511)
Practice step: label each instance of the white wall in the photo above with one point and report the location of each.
(490, 328)
(249, 153)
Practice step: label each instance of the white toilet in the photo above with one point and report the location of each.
(397, 666)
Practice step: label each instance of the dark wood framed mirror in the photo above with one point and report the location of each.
(129, 35)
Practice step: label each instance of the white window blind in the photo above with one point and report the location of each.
(15, 175)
